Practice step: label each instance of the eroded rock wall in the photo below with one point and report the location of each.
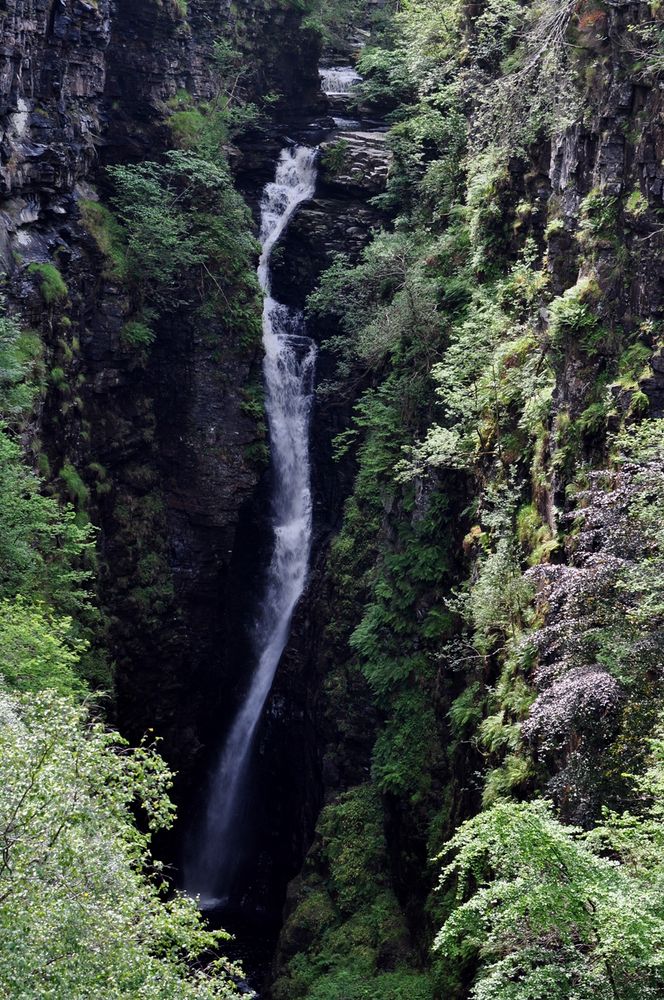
(165, 449)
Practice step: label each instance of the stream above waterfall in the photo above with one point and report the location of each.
(336, 80)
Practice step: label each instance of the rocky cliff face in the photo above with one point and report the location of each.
(288, 782)
(164, 449)
(588, 201)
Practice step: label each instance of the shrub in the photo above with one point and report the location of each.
(136, 333)
(18, 353)
(334, 156)
(636, 204)
(571, 316)
(39, 650)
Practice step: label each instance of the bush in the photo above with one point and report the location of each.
(39, 650)
(18, 353)
(572, 318)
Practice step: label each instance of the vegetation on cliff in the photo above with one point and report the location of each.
(503, 542)
(493, 600)
(84, 907)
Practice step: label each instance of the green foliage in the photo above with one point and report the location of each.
(636, 204)
(592, 421)
(487, 180)
(42, 550)
(187, 229)
(39, 650)
(136, 333)
(573, 319)
(51, 283)
(405, 750)
(144, 572)
(500, 596)
(83, 907)
(334, 156)
(466, 710)
(352, 845)
(109, 237)
(357, 940)
(19, 352)
(599, 214)
(385, 307)
(633, 365)
(530, 676)
(534, 536)
(334, 20)
(76, 488)
(542, 914)
(350, 984)
(81, 910)
(386, 78)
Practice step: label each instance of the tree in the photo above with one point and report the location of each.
(542, 917)
(82, 909)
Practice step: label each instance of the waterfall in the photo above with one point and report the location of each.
(337, 80)
(288, 368)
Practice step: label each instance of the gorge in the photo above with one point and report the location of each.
(331, 500)
(288, 371)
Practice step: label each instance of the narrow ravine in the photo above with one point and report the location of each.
(214, 850)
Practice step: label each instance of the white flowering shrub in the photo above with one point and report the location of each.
(600, 648)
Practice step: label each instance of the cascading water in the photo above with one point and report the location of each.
(288, 369)
(338, 80)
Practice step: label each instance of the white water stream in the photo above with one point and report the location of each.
(337, 80)
(288, 371)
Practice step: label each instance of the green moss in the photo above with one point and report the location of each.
(58, 377)
(76, 488)
(406, 748)
(108, 234)
(347, 932)
(352, 844)
(98, 470)
(354, 984)
(636, 204)
(639, 404)
(51, 283)
(554, 228)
